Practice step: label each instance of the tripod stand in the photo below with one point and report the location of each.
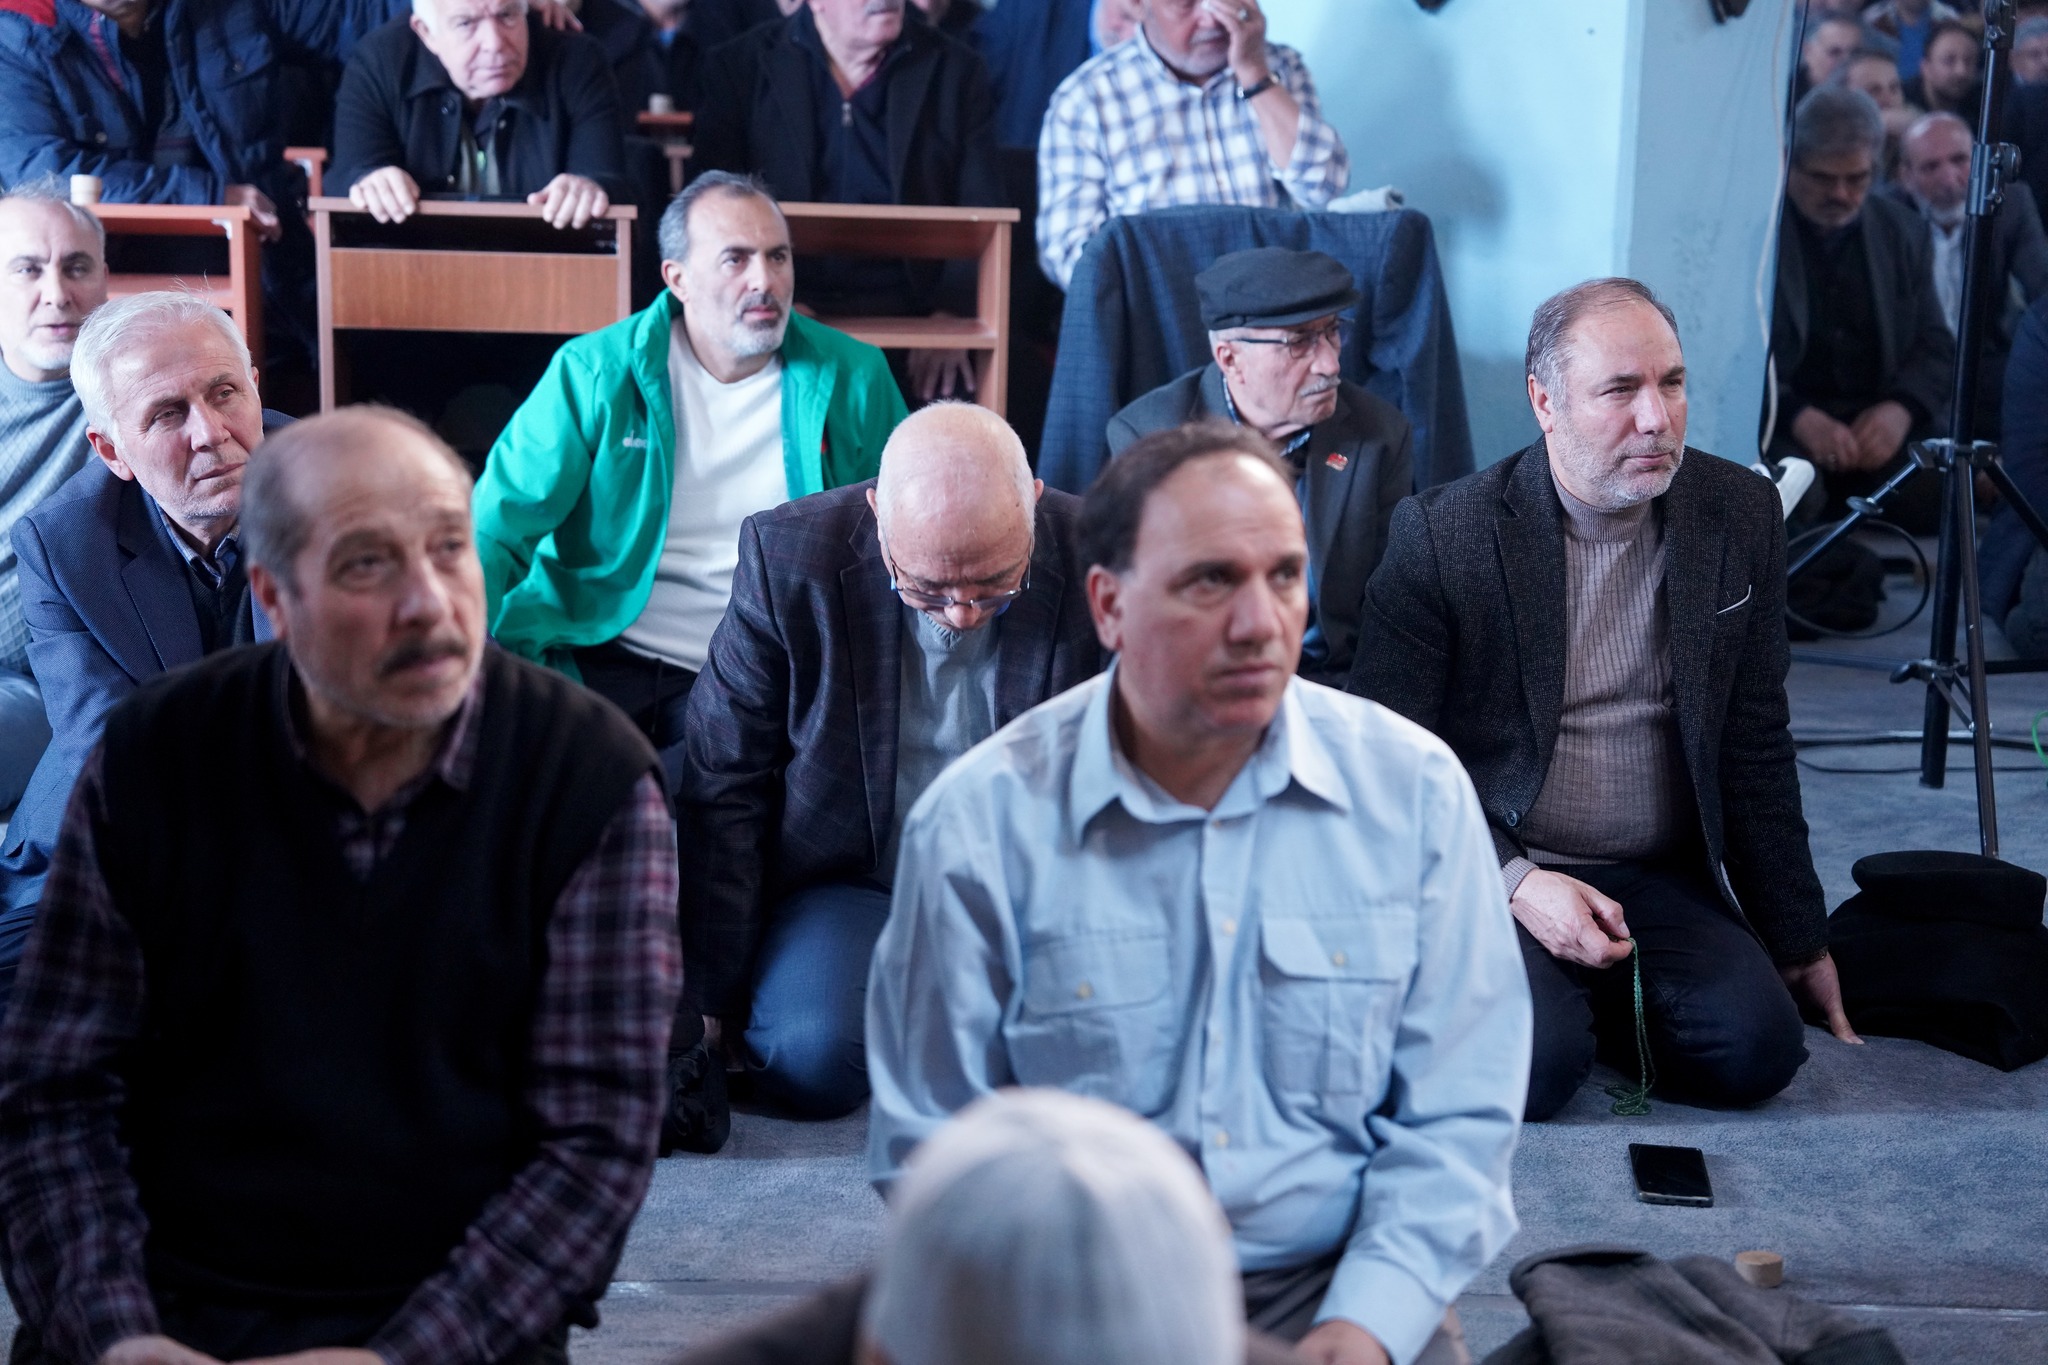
(1962, 687)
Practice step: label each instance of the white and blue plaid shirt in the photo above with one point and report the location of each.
(1124, 134)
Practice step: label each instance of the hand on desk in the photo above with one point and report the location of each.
(1570, 919)
(570, 201)
(268, 225)
(1338, 1342)
(940, 374)
(389, 194)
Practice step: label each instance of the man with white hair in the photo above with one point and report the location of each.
(1249, 908)
(1198, 109)
(608, 514)
(876, 633)
(53, 272)
(341, 1030)
(133, 566)
(1036, 1228)
(476, 98)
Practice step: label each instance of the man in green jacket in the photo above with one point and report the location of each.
(608, 514)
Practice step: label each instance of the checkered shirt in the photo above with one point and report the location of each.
(1124, 134)
(73, 1228)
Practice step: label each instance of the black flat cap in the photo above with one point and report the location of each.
(1270, 286)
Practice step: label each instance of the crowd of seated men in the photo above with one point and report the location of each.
(739, 732)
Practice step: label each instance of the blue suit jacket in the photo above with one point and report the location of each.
(789, 769)
(103, 589)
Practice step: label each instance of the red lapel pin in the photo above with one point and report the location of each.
(1337, 460)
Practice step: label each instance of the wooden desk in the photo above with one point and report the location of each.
(241, 296)
(925, 234)
(467, 267)
(672, 131)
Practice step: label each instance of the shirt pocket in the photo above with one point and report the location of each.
(1093, 1018)
(1332, 989)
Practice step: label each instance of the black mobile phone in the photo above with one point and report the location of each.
(1670, 1175)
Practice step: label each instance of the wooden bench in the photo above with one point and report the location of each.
(908, 231)
(240, 295)
(672, 132)
(466, 267)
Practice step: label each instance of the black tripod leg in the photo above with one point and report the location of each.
(1941, 648)
(1963, 482)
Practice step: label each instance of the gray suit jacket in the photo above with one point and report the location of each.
(1465, 634)
(1359, 465)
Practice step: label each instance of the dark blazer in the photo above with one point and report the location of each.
(642, 64)
(1918, 352)
(1465, 634)
(397, 107)
(759, 113)
(104, 592)
(1359, 464)
(789, 741)
(825, 1330)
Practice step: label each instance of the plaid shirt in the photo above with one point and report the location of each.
(69, 1213)
(1124, 134)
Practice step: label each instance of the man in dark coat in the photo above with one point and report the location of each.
(1596, 626)
(1276, 331)
(1862, 356)
(875, 633)
(652, 49)
(847, 102)
(476, 98)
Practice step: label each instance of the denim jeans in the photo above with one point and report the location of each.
(807, 1033)
(1723, 1028)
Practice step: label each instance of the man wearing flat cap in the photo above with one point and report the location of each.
(1276, 330)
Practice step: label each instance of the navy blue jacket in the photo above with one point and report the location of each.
(70, 105)
(104, 592)
(1133, 323)
(1031, 46)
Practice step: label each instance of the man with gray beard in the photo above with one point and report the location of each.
(608, 515)
(1596, 626)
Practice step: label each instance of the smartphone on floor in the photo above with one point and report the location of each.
(1670, 1175)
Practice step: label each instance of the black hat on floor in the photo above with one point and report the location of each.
(1270, 286)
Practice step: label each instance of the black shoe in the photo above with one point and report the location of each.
(698, 1117)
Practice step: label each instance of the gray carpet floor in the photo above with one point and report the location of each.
(1905, 1183)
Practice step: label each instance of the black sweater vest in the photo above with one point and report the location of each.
(329, 1084)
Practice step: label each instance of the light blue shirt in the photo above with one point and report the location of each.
(1315, 988)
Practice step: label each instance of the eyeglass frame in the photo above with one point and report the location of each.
(919, 600)
(1301, 345)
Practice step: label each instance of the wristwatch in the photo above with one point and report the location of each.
(1254, 91)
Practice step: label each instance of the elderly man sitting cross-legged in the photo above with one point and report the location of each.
(1597, 626)
(876, 633)
(1247, 907)
(381, 1081)
(1276, 329)
(133, 566)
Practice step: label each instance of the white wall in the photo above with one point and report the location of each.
(1555, 140)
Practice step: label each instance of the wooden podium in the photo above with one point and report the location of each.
(981, 235)
(467, 267)
(240, 296)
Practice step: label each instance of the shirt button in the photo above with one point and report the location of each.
(1084, 991)
(1228, 927)
(1514, 817)
(1222, 1138)
(1338, 959)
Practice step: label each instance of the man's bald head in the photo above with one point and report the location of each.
(955, 503)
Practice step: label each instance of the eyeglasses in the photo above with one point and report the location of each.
(931, 601)
(1301, 345)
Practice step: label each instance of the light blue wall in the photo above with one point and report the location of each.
(1555, 140)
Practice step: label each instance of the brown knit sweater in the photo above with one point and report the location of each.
(1617, 785)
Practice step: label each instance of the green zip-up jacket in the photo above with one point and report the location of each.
(573, 506)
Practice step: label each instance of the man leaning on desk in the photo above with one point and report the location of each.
(476, 98)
